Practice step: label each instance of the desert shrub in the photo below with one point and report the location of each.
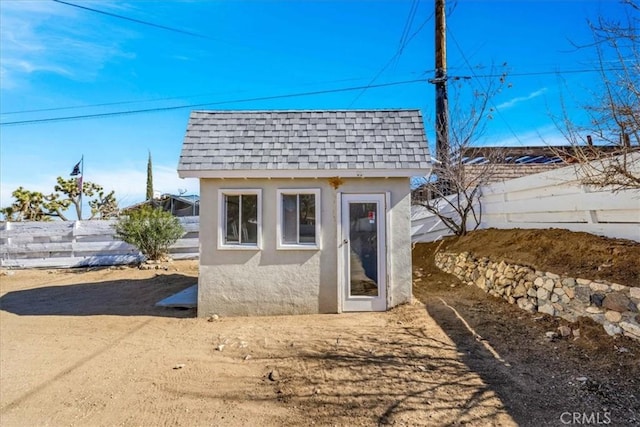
(151, 230)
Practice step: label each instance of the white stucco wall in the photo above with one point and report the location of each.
(271, 281)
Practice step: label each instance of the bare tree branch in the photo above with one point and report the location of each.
(614, 114)
(452, 192)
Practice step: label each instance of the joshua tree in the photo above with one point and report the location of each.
(35, 206)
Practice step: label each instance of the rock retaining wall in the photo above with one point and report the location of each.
(614, 306)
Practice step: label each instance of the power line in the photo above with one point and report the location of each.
(407, 25)
(395, 56)
(137, 21)
(204, 104)
(107, 104)
(417, 31)
(530, 73)
(180, 31)
(476, 77)
(170, 98)
(104, 104)
(539, 73)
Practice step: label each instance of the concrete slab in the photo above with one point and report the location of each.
(187, 298)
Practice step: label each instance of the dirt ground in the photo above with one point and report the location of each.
(88, 348)
(593, 375)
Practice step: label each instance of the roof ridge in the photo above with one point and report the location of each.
(309, 110)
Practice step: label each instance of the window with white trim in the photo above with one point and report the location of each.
(240, 219)
(298, 219)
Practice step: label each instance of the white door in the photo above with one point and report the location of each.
(363, 252)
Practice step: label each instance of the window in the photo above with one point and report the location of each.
(298, 219)
(240, 219)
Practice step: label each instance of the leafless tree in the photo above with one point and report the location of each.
(607, 149)
(453, 190)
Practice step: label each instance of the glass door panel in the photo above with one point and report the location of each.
(363, 256)
(363, 252)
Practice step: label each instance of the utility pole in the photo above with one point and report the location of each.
(443, 149)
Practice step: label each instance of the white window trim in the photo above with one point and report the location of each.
(222, 220)
(288, 246)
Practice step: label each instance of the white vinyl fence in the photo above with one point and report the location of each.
(427, 227)
(553, 199)
(79, 244)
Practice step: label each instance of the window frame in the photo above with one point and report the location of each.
(280, 245)
(222, 218)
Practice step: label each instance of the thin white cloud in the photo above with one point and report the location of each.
(517, 100)
(25, 66)
(182, 58)
(547, 136)
(51, 38)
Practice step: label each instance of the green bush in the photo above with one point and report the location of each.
(151, 230)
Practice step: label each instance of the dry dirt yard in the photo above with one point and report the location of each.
(88, 348)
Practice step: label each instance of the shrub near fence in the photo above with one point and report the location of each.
(80, 244)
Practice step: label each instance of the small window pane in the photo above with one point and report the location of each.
(298, 219)
(232, 212)
(289, 218)
(307, 218)
(249, 218)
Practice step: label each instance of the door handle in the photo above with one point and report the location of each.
(344, 242)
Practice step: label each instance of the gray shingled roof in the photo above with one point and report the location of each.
(304, 144)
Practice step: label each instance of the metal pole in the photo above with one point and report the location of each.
(81, 184)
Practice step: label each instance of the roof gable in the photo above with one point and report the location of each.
(304, 144)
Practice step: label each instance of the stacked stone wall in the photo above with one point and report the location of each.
(614, 306)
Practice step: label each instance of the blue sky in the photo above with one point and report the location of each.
(64, 61)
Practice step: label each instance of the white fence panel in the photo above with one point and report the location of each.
(578, 200)
(80, 244)
(618, 215)
(553, 199)
(427, 227)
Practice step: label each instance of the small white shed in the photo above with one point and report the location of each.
(304, 211)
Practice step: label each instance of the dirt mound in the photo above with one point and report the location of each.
(581, 255)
